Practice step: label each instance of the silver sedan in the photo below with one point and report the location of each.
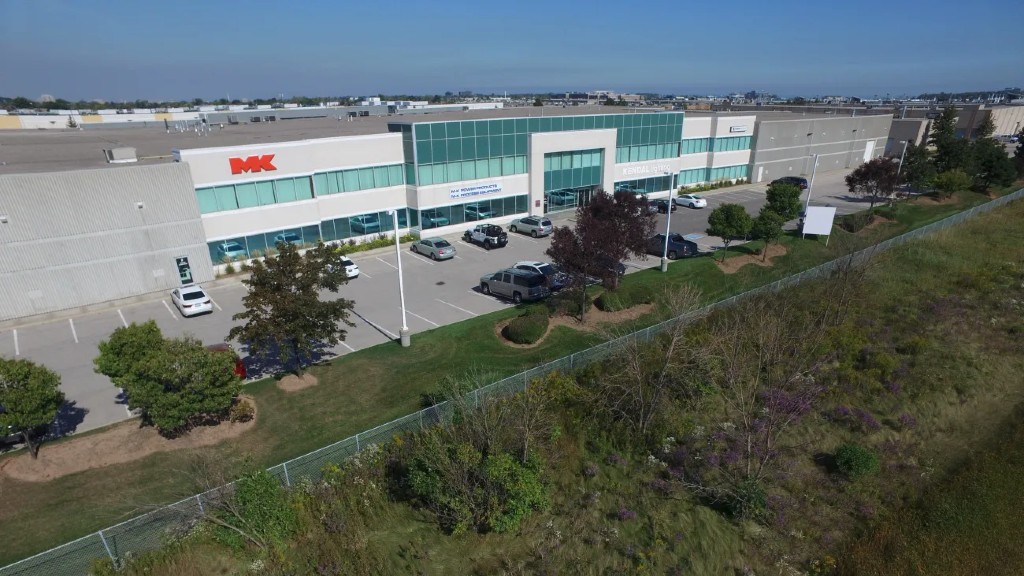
(436, 248)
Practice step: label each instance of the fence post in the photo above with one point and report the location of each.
(287, 479)
(421, 419)
(357, 442)
(476, 398)
(200, 501)
(107, 548)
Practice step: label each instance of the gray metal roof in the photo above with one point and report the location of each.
(56, 150)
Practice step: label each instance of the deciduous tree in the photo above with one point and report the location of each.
(182, 384)
(767, 227)
(30, 397)
(124, 350)
(608, 230)
(784, 200)
(875, 179)
(284, 313)
(952, 181)
(731, 222)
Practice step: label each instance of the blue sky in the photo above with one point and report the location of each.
(121, 49)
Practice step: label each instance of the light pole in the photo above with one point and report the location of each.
(900, 167)
(810, 186)
(668, 219)
(403, 333)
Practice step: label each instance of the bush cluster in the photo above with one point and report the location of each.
(854, 223)
(625, 297)
(712, 186)
(381, 241)
(528, 328)
(241, 411)
(855, 461)
(567, 302)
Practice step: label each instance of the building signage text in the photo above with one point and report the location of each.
(262, 163)
(478, 190)
(735, 129)
(648, 169)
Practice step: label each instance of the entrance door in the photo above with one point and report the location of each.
(869, 149)
(184, 270)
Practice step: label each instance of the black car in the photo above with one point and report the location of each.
(663, 206)
(678, 247)
(798, 181)
(611, 264)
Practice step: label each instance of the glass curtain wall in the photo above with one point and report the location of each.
(571, 177)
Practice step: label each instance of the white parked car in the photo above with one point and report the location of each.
(691, 201)
(191, 300)
(351, 268)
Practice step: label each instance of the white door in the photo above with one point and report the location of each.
(760, 173)
(869, 149)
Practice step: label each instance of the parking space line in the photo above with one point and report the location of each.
(361, 273)
(17, 351)
(524, 237)
(386, 262)
(350, 349)
(459, 257)
(173, 315)
(216, 305)
(423, 259)
(482, 295)
(456, 307)
(123, 322)
(422, 318)
(472, 245)
(74, 334)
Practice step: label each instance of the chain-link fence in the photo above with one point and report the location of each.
(151, 530)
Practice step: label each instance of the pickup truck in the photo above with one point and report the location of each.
(487, 235)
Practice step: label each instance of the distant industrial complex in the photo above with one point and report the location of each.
(116, 203)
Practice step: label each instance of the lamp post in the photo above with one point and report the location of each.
(900, 167)
(403, 333)
(810, 185)
(668, 219)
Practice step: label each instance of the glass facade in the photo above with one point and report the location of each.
(732, 143)
(729, 172)
(441, 152)
(244, 247)
(694, 176)
(473, 211)
(573, 169)
(358, 179)
(696, 145)
(251, 194)
(646, 185)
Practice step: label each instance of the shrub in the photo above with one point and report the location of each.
(229, 268)
(567, 302)
(528, 328)
(856, 461)
(855, 222)
(241, 411)
(625, 297)
(261, 510)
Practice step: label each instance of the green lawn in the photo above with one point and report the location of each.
(364, 389)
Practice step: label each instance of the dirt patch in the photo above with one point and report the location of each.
(933, 200)
(293, 383)
(733, 265)
(592, 321)
(876, 221)
(118, 444)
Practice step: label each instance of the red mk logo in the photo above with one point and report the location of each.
(252, 164)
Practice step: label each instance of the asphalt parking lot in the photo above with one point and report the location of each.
(436, 294)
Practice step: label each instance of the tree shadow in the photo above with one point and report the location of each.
(69, 417)
(270, 365)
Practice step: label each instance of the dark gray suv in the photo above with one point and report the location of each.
(516, 285)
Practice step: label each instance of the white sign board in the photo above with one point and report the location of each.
(476, 190)
(735, 129)
(819, 220)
